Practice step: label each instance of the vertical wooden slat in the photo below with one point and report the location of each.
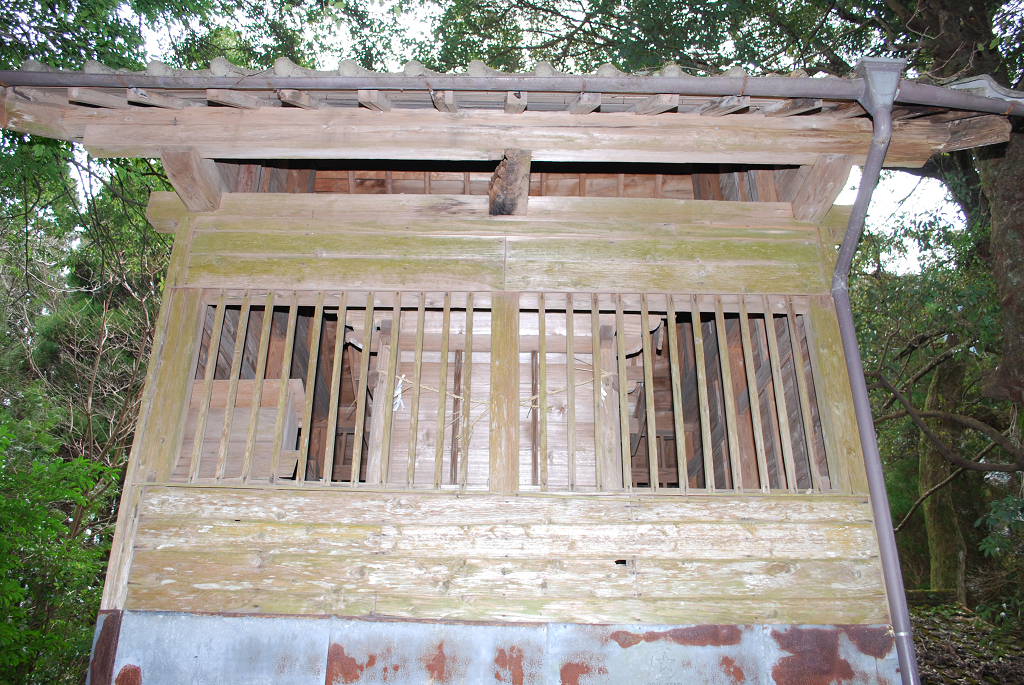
(364, 372)
(534, 420)
(805, 401)
(307, 410)
(730, 397)
(570, 390)
(332, 412)
(212, 352)
(503, 471)
(257, 392)
(467, 379)
(677, 397)
(282, 399)
(652, 430)
(542, 389)
(414, 409)
(236, 369)
(595, 336)
(441, 388)
(780, 396)
(752, 394)
(620, 342)
(702, 394)
(389, 392)
(351, 182)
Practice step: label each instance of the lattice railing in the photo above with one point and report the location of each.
(402, 394)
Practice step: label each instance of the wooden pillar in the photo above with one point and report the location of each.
(504, 429)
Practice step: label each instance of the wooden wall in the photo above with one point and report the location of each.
(790, 559)
(432, 242)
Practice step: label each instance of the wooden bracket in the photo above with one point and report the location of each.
(198, 181)
(233, 98)
(88, 96)
(299, 98)
(821, 186)
(790, 107)
(515, 102)
(375, 100)
(41, 96)
(510, 185)
(585, 103)
(724, 105)
(656, 104)
(445, 101)
(139, 96)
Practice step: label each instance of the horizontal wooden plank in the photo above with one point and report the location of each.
(347, 245)
(372, 508)
(691, 540)
(505, 577)
(481, 135)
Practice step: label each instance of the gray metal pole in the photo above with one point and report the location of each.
(882, 77)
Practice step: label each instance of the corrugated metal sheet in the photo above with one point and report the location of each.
(157, 648)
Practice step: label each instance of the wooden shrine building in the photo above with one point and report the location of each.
(511, 378)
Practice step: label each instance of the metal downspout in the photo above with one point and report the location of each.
(882, 77)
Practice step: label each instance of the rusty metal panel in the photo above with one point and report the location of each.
(157, 648)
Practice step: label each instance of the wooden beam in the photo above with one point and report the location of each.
(976, 132)
(441, 392)
(197, 181)
(542, 388)
(414, 408)
(445, 101)
(503, 475)
(724, 105)
(515, 102)
(847, 110)
(44, 97)
(585, 103)
(789, 108)
(299, 98)
(337, 364)
(350, 133)
(233, 98)
(821, 187)
(509, 189)
(467, 386)
(89, 96)
(374, 100)
(138, 96)
(656, 104)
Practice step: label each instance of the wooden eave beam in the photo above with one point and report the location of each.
(724, 105)
(790, 108)
(656, 104)
(515, 102)
(350, 133)
(374, 100)
(585, 103)
(821, 186)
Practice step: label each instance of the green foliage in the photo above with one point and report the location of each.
(53, 548)
(1005, 545)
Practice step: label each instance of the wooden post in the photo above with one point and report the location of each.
(542, 388)
(610, 435)
(729, 395)
(380, 424)
(677, 398)
(364, 373)
(785, 435)
(754, 396)
(805, 400)
(570, 390)
(257, 392)
(414, 409)
(332, 412)
(441, 387)
(652, 430)
(467, 384)
(236, 368)
(595, 339)
(282, 398)
(620, 341)
(504, 403)
(509, 189)
(311, 366)
(702, 394)
(212, 352)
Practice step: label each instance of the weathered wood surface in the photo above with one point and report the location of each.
(478, 135)
(533, 558)
(443, 242)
